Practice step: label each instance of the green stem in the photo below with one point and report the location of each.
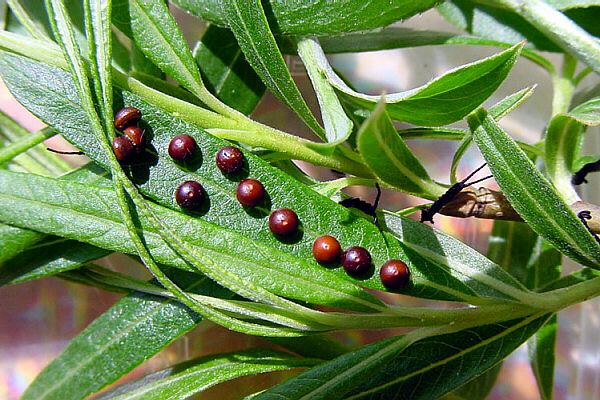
(563, 86)
(295, 147)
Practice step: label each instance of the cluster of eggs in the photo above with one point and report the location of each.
(283, 222)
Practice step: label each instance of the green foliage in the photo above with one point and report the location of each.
(74, 63)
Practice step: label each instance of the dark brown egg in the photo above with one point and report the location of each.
(250, 192)
(136, 135)
(182, 148)
(283, 222)
(123, 148)
(128, 116)
(394, 274)
(326, 249)
(230, 159)
(190, 195)
(356, 260)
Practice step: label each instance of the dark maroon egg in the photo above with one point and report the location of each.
(182, 148)
(356, 260)
(123, 148)
(190, 195)
(326, 249)
(136, 135)
(283, 222)
(250, 192)
(394, 274)
(230, 159)
(128, 116)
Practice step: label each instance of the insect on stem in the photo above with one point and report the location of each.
(436, 206)
(579, 177)
(367, 208)
(583, 216)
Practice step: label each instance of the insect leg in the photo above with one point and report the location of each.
(375, 205)
(72, 153)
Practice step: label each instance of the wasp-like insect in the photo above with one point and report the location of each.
(436, 206)
(579, 177)
(367, 208)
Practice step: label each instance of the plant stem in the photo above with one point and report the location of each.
(563, 86)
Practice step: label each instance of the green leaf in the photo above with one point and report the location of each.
(510, 246)
(469, 265)
(399, 37)
(530, 193)
(49, 258)
(387, 155)
(338, 126)
(555, 26)
(94, 219)
(194, 376)
(130, 332)
(304, 17)
(479, 388)
(542, 269)
(494, 23)
(50, 94)
(445, 99)
(402, 368)
(541, 349)
(225, 70)
(249, 24)
(15, 240)
(158, 36)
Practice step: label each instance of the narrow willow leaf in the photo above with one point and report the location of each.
(50, 94)
(338, 126)
(248, 22)
(445, 99)
(479, 388)
(158, 36)
(225, 70)
(455, 255)
(15, 240)
(530, 193)
(494, 23)
(560, 29)
(387, 155)
(563, 144)
(94, 219)
(511, 245)
(98, 22)
(194, 376)
(48, 258)
(400, 37)
(402, 368)
(306, 17)
(542, 269)
(22, 14)
(541, 349)
(140, 64)
(130, 332)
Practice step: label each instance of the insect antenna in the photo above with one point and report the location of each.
(436, 206)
